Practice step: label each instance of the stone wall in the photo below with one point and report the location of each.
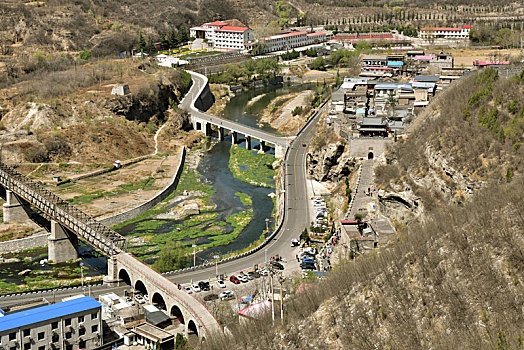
(142, 208)
(14, 245)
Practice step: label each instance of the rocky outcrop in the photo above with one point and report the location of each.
(330, 163)
(144, 104)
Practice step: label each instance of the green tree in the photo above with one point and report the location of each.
(304, 236)
(84, 55)
(141, 42)
(171, 257)
(181, 343)
(318, 64)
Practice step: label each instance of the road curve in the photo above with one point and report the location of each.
(188, 104)
(295, 219)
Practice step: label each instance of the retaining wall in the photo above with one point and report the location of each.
(142, 208)
(35, 241)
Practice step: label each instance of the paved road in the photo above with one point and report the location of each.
(294, 223)
(187, 104)
(295, 219)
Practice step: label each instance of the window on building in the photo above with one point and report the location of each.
(54, 325)
(80, 319)
(94, 315)
(68, 335)
(67, 322)
(27, 332)
(12, 336)
(94, 328)
(41, 335)
(41, 347)
(69, 347)
(27, 346)
(12, 348)
(82, 344)
(82, 331)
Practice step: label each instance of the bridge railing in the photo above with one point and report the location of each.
(55, 208)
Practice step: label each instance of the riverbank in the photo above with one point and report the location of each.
(288, 112)
(192, 215)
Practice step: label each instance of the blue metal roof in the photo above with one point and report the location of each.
(395, 64)
(39, 314)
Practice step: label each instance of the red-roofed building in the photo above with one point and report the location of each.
(291, 40)
(221, 35)
(445, 32)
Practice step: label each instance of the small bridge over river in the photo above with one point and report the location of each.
(23, 196)
(199, 98)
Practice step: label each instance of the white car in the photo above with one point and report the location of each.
(263, 272)
(227, 294)
(146, 297)
(139, 299)
(130, 301)
(195, 288)
(221, 284)
(188, 290)
(243, 278)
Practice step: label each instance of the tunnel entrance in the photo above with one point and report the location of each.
(370, 155)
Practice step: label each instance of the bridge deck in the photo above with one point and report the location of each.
(188, 104)
(55, 208)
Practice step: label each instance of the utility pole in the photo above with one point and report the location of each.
(281, 279)
(272, 297)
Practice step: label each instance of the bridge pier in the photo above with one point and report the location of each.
(220, 133)
(207, 129)
(62, 245)
(112, 271)
(263, 147)
(248, 142)
(15, 208)
(234, 137)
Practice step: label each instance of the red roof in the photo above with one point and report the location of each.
(232, 29)
(217, 23)
(316, 34)
(490, 63)
(287, 35)
(466, 26)
(443, 28)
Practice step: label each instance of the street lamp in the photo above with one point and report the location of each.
(267, 225)
(194, 254)
(82, 274)
(216, 257)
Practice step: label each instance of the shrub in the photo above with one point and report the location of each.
(84, 55)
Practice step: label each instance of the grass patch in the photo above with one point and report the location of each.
(259, 167)
(245, 198)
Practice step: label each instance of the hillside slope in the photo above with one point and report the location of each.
(454, 277)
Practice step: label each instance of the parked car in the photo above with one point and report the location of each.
(308, 261)
(308, 266)
(203, 285)
(243, 278)
(250, 275)
(227, 294)
(277, 265)
(188, 290)
(234, 279)
(263, 272)
(195, 288)
(130, 301)
(221, 284)
(146, 297)
(139, 299)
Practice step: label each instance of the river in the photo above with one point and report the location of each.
(214, 169)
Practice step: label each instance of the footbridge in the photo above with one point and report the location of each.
(199, 99)
(24, 196)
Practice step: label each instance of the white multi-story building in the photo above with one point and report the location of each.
(445, 33)
(221, 35)
(288, 41)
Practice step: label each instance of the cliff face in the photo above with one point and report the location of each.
(331, 163)
(95, 126)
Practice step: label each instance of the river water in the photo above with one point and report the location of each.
(215, 171)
